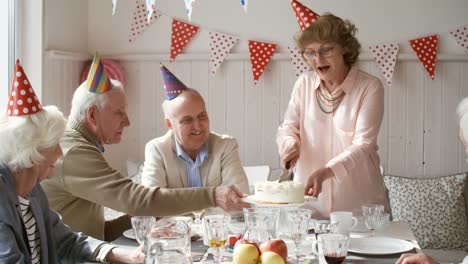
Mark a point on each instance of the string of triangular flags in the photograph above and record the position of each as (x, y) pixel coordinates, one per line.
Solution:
(385, 54)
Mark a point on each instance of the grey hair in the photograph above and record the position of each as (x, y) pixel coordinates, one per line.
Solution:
(462, 112)
(166, 104)
(83, 99)
(23, 136)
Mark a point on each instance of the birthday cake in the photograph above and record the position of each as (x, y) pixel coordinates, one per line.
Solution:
(274, 192)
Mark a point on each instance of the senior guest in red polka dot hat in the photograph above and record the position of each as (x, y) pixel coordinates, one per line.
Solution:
(330, 127)
(190, 154)
(30, 232)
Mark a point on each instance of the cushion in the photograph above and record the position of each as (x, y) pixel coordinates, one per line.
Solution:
(433, 207)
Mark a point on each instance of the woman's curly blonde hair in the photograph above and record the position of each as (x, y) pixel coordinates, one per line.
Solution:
(329, 28)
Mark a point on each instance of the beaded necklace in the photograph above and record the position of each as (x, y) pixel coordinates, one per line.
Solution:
(326, 101)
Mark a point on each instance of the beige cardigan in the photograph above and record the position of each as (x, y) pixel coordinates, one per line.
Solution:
(83, 183)
(222, 167)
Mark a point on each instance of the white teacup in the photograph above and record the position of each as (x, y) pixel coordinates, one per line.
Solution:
(345, 221)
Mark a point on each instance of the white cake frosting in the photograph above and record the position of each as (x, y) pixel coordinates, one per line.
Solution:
(279, 192)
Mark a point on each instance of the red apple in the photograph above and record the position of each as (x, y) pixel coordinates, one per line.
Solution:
(275, 245)
(245, 241)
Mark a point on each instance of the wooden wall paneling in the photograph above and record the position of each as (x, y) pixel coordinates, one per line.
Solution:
(382, 140)
(397, 123)
(450, 99)
(200, 79)
(415, 118)
(271, 114)
(217, 101)
(287, 80)
(235, 108)
(433, 123)
(252, 118)
(463, 86)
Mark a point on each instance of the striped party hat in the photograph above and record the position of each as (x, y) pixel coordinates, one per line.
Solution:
(172, 86)
(23, 100)
(98, 81)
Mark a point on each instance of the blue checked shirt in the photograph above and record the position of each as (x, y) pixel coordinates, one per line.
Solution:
(192, 167)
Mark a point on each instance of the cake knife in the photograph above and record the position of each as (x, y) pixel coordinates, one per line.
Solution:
(290, 175)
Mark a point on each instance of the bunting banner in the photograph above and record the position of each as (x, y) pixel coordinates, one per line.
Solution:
(182, 33)
(461, 36)
(220, 45)
(297, 62)
(385, 55)
(150, 7)
(139, 22)
(114, 5)
(305, 16)
(426, 50)
(260, 55)
(244, 4)
(188, 8)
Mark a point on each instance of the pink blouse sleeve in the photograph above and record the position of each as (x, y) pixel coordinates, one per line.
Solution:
(365, 137)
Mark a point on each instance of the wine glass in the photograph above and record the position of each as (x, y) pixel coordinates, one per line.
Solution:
(298, 228)
(216, 227)
(373, 216)
(198, 214)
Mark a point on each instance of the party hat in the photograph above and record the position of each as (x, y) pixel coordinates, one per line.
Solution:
(305, 16)
(172, 86)
(23, 99)
(98, 81)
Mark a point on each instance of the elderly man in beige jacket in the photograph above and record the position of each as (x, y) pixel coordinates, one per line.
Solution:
(83, 183)
(189, 154)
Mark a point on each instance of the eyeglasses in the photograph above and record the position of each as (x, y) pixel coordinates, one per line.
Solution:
(323, 52)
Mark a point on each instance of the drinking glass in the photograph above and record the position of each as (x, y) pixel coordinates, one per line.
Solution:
(332, 247)
(373, 216)
(261, 224)
(188, 221)
(298, 228)
(325, 227)
(216, 227)
(141, 226)
(198, 215)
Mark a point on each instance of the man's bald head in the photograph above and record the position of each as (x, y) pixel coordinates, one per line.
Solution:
(188, 94)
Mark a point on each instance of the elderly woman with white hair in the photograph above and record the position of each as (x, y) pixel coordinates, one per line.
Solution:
(30, 232)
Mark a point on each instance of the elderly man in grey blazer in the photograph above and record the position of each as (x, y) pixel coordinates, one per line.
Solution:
(189, 154)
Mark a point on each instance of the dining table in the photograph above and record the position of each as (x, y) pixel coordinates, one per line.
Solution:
(394, 230)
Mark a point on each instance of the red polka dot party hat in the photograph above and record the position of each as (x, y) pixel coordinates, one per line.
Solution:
(23, 100)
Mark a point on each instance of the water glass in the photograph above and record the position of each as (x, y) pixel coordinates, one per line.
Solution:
(261, 223)
(216, 230)
(189, 222)
(141, 226)
(332, 247)
(325, 227)
(373, 216)
(298, 228)
(167, 242)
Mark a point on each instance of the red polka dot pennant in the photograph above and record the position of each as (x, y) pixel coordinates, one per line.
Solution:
(182, 33)
(385, 55)
(260, 55)
(461, 36)
(140, 22)
(426, 50)
(23, 100)
(298, 63)
(305, 16)
(220, 45)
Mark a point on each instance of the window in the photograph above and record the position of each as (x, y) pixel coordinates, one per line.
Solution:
(7, 49)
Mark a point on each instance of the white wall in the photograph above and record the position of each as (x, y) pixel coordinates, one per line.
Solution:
(274, 21)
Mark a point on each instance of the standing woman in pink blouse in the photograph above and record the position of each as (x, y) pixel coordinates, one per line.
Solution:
(331, 125)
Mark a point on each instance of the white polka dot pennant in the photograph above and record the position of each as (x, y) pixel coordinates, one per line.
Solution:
(461, 36)
(385, 55)
(220, 45)
(297, 62)
(22, 100)
(140, 22)
(260, 55)
(426, 50)
(182, 33)
(305, 16)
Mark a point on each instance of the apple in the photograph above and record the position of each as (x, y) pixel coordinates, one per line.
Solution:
(245, 241)
(275, 245)
(245, 254)
(271, 257)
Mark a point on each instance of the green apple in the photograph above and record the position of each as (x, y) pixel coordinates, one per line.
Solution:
(271, 257)
(245, 254)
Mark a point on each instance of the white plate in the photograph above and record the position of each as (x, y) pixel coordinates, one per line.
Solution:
(379, 245)
(251, 199)
(129, 234)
